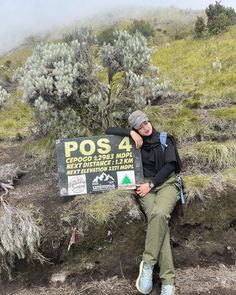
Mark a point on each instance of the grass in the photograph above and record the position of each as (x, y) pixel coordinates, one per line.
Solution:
(16, 59)
(229, 176)
(15, 116)
(188, 64)
(44, 150)
(108, 205)
(214, 155)
(225, 114)
(196, 186)
(178, 120)
(15, 120)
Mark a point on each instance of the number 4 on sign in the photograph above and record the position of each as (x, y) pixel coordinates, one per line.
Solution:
(125, 144)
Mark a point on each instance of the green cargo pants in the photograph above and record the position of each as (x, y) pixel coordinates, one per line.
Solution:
(158, 205)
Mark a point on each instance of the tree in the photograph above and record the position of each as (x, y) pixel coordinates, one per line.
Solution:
(219, 17)
(145, 28)
(106, 36)
(199, 27)
(218, 24)
(66, 87)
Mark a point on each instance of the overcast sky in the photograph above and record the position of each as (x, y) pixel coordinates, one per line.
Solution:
(21, 18)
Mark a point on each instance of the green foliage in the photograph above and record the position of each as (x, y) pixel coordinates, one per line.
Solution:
(142, 26)
(199, 27)
(219, 18)
(106, 36)
(61, 82)
(218, 24)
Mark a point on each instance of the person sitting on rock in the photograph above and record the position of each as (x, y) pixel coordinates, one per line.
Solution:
(158, 196)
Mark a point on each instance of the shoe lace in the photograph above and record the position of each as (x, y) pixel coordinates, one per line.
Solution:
(147, 270)
(167, 290)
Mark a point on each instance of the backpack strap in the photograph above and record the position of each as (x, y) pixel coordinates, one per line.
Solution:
(163, 138)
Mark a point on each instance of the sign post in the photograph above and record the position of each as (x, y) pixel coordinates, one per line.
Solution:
(97, 163)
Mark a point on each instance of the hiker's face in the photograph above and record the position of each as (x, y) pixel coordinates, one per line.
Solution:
(145, 129)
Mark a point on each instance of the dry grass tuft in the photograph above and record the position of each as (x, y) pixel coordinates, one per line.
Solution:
(213, 155)
(106, 206)
(112, 285)
(196, 187)
(19, 237)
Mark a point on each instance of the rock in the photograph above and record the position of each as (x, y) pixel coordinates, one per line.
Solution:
(59, 278)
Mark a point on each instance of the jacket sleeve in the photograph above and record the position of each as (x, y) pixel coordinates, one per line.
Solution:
(169, 164)
(118, 131)
(163, 174)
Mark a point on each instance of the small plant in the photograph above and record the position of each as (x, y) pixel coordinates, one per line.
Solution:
(19, 237)
(217, 65)
(4, 95)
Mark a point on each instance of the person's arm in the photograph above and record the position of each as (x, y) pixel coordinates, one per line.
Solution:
(118, 131)
(163, 174)
(126, 132)
(160, 177)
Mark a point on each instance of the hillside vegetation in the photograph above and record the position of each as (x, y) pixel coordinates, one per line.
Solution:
(204, 108)
(189, 66)
(198, 108)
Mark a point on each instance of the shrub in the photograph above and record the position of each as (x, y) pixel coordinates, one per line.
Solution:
(145, 28)
(199, 27)
(219, 18)
(19, 237)
(106, 36)
(61, 83)
(218, 24)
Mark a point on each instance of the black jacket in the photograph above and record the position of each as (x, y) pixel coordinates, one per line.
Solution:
(157, 164)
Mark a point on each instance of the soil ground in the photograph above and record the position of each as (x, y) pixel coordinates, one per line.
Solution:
(38, 189)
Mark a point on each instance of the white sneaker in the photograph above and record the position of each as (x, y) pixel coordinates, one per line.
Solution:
(144, 280)
(167, 290)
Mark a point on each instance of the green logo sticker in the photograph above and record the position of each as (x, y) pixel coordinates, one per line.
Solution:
(126, 180)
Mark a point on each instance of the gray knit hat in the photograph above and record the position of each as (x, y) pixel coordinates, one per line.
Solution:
(137, 118)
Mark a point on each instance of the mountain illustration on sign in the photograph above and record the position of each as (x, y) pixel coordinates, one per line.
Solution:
(103, 178)
(126, 180)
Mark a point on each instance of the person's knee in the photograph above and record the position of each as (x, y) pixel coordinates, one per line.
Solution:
(158, 215)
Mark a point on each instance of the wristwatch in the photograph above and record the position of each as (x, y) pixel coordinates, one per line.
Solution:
(151, 184)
